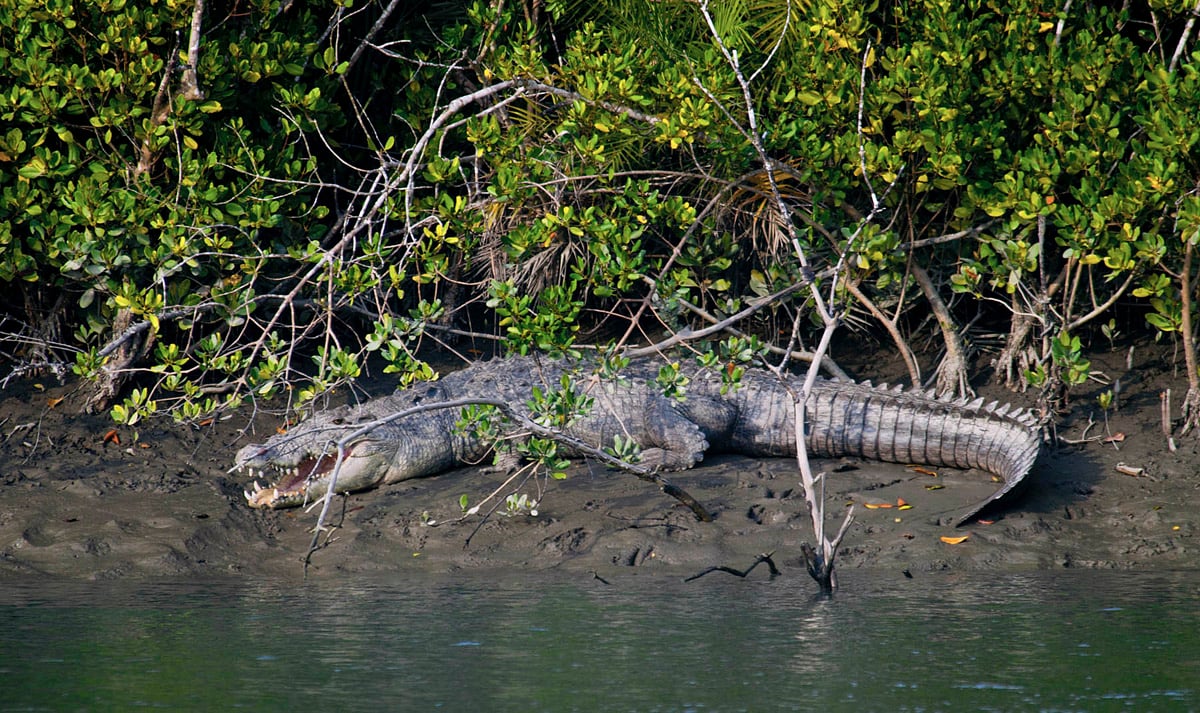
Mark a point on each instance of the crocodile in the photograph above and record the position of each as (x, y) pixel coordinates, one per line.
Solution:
(756, 417)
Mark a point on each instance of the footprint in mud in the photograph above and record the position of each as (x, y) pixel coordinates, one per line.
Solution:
(97, 547)
(636, 557)
(571, 542)
(37, 536)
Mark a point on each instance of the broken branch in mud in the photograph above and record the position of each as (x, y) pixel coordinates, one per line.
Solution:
(761, 559)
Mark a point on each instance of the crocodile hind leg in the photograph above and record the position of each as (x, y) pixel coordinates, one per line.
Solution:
(672, 441)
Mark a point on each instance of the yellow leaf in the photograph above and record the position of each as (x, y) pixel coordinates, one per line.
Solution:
(955, 540)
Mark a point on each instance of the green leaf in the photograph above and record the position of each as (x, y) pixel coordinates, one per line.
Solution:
(809, 98)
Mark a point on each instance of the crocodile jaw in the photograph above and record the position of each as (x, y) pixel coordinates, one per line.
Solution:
(298, 481)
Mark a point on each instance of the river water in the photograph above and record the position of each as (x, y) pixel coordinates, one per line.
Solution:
(1045, 641)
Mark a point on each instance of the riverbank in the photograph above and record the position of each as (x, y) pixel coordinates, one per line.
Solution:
(81, 499)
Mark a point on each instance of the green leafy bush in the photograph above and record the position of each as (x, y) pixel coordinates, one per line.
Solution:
(354, 183)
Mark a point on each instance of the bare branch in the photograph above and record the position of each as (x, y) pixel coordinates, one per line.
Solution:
(1183, 39)
(190, 83)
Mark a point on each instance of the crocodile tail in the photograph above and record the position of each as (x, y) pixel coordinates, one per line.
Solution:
(897, 426)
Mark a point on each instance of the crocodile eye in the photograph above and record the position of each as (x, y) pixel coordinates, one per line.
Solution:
(339, 421)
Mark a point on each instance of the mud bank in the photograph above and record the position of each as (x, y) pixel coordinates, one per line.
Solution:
(76, 502)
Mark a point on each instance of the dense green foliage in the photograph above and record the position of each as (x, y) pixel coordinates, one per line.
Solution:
(358, 178)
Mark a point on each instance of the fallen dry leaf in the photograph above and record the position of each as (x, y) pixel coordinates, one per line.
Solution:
(877, 506)
(955, 540)
(112, 437)
(1133, 470)
(1115, 438)
(205, 422)
(922, 471)
(934, 487)
(54, 401)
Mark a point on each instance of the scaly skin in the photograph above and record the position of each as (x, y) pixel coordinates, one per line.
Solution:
(756, 419)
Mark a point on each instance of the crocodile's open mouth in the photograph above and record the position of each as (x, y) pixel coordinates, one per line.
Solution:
(291, 483)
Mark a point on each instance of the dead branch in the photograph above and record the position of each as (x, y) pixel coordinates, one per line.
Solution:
(761, 559)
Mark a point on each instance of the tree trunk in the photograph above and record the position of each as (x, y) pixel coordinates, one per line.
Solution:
(951, 376)
(1191, 402)
(128, 348)
(1017, 356)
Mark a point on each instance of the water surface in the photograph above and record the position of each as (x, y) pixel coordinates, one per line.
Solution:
(1052, 641)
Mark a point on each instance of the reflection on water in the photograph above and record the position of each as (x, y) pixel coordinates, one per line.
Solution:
(1041, 641)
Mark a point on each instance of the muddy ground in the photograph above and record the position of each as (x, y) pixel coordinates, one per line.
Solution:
(160, 504)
